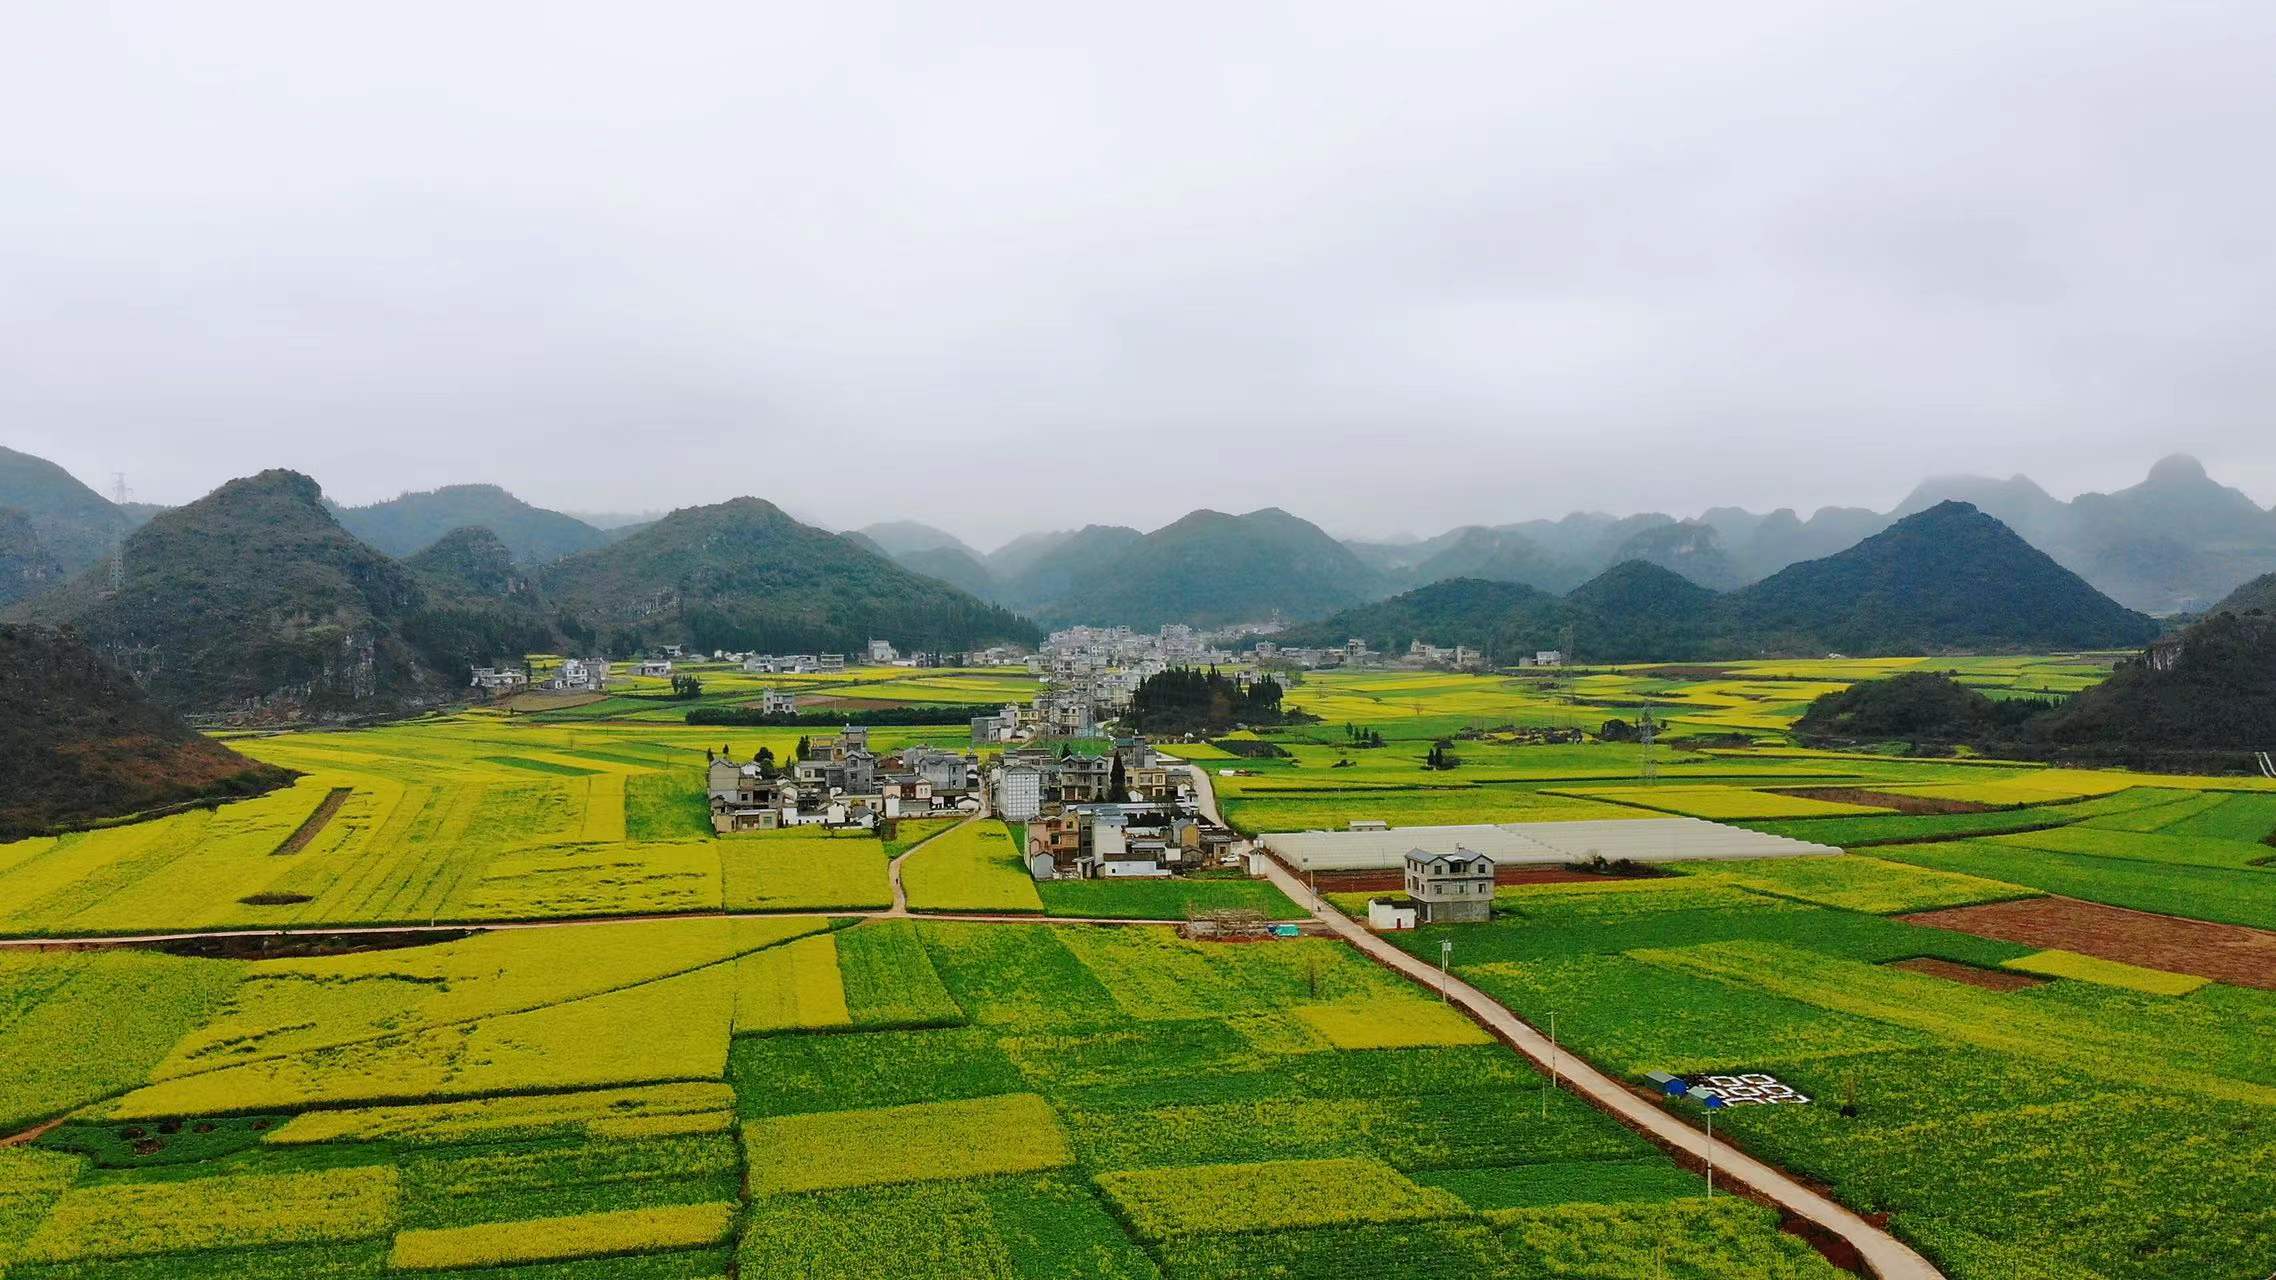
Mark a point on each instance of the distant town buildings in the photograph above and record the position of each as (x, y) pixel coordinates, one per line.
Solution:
(499, 678)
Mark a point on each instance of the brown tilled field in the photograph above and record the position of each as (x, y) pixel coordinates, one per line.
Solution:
(2223, 952)
(1884, 800)
(1988, 979)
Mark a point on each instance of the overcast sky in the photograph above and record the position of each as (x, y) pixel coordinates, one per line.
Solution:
(1006, 266)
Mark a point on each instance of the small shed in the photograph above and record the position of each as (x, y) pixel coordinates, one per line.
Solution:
(1393, 913)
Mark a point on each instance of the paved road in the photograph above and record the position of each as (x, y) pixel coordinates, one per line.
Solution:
(1889, 1257)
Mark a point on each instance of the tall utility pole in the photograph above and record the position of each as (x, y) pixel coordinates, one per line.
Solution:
(1645, 732)
(118, 533)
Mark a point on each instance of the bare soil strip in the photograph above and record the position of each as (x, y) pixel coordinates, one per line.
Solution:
(1885, 800)
(34, 1133)
(314, 822)
(1988, 979)
(2223, 952)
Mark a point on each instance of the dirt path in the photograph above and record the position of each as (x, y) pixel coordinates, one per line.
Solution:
(1886, 1256)
(316, 821)
(893, 868)
(34, 1133)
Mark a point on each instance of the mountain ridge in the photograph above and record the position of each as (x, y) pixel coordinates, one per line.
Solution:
(1942, 580)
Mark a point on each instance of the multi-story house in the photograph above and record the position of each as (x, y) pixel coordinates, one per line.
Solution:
(1451, 888)
(1019, 792)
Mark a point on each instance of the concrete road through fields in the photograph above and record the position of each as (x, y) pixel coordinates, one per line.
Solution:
(1888, 1257)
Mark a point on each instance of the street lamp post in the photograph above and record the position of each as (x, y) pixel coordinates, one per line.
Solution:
(1445, 954)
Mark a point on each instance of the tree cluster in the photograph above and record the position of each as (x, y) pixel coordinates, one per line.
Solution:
(1184, 700)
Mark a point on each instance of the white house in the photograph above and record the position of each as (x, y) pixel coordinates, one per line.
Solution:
(1019, 792)
(581, 674)
(656, 667)
(778, 703)
(1451, 888)
(1391, 913)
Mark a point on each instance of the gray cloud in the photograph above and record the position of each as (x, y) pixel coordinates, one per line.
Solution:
(1017, 265)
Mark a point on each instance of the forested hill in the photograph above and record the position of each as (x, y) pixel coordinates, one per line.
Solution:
(27, 567)
(956, 567)
(1949, 579)
(2260, 594)
(481, 607)
(1456, 611)
(253, 601)
(2211, 689)
(1036, 573)
(60, 522)
(1208, 568)
(403, 525)
(743, 575)
(2204, 700)
(79, 742)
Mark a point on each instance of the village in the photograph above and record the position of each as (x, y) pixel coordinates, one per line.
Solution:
(1088, 802)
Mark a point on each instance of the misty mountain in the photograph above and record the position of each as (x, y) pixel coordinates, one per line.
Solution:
(898, 536)
(2174, 543)
(69, 524)
(1071, 561)
(1015, 558)
(78, 742)
(952, 565)
(1688, 548)
(254, 602)
(403, 525)
(1498, 555)
(743, 575)
(1209, 568)
(1949, 579)
(1761, 545)
(2260, 593)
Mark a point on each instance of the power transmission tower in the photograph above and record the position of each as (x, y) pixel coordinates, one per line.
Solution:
(118, 533)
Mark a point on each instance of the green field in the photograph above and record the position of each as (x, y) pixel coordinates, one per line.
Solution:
(1989, 1124)
(654, 1099)
(786, 1092)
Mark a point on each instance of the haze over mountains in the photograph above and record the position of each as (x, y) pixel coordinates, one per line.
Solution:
(2177, 542)
(265, 599)
(1948, 579)
(255, 603)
